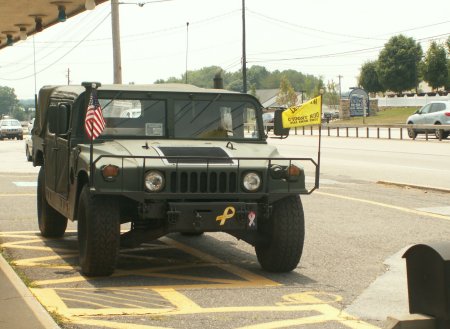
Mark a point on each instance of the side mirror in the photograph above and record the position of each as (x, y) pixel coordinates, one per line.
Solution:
(278, 129)
(58, 118)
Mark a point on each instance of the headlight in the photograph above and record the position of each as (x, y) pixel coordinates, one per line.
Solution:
(251, 181)
(154, 181)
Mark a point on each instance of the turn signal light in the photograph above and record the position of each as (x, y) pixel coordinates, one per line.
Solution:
(110, 172)
(293, 170)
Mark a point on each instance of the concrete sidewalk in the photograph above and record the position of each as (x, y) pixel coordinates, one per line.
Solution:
(19, 309)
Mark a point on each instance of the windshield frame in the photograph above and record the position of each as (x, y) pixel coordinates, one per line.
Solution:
(171, 98)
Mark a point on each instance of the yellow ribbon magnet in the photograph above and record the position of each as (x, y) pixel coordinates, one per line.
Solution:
(227, 214)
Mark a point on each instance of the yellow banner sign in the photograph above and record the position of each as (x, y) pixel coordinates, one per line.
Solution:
(308, 113)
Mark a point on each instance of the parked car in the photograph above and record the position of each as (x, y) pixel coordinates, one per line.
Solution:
(268, 120)
(30, 125)
(10, 128)
(165, 171)
(131, 113)
(29, 142)
(434, 113)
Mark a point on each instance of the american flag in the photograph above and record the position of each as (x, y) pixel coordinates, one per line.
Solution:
(94, 122)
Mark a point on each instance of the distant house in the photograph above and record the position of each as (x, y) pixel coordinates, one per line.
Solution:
(268, 99)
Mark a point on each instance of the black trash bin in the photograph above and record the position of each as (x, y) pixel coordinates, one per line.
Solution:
(428, 272)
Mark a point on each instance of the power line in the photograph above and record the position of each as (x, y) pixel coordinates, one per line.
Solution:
(343, 34)
(337, 54)
(64, 55)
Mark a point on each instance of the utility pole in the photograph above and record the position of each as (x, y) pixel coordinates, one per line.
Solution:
(340, 91)
(302, 92)
(68, 76)
(117, 61)
(244, 57)
(187, 49)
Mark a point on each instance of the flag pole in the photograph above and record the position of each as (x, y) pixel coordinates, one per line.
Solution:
(320, 142)
(89, 87)
(91, 146)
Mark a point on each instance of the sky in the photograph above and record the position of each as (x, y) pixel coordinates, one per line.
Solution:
(324, 38)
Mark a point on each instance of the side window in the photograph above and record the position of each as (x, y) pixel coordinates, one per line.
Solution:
(436, 107)
(425, 109)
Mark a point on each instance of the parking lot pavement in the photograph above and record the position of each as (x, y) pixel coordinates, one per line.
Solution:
(163, 284)
(16, 297)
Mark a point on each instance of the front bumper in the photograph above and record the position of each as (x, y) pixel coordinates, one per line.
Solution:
(213, 216)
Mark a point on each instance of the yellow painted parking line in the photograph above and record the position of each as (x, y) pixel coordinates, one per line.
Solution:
(33, 240)
(17, 233)
(5, 195)
(81, 305)
(386, 205)
(77, 294)
(113, 325)
(40, 261)
(178, 300)
(240, 272)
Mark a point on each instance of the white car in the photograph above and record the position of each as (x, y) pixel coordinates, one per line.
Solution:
(10, 128)
(434, 113)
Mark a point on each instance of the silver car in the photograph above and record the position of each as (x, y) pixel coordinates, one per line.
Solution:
(434, 113)
(10, 128)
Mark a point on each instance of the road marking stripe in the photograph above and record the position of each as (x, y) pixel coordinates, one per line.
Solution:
(240, 272)
(25, 184)
(179, 300)
(5, 195)
(385, 205)
(112, 325)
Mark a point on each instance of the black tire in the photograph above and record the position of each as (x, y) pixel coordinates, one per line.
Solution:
(285, 230)
(440, 133)
(51, 223)
(411, 132)
(98, 234)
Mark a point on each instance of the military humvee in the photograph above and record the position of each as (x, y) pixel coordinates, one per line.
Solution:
(172, 158)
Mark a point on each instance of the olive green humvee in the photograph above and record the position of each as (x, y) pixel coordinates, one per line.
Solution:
(172, 158)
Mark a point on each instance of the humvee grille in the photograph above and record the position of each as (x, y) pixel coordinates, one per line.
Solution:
(203, 182)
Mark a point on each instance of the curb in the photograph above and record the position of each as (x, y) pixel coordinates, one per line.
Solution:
(419, 187)
(38, 310)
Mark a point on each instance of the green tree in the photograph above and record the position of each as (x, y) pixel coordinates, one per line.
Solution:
(331, 97)
(368, 78)
(257, 76)
(398, 64)
(19, 114)
(286, 96)
(435, 70)
(8, 101)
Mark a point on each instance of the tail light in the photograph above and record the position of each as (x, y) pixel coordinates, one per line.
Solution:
(447, 114)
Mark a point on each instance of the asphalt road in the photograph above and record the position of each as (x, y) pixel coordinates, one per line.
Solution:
(416, 162)
(351, 274)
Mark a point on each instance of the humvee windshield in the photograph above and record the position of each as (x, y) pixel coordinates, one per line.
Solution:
(192, 119)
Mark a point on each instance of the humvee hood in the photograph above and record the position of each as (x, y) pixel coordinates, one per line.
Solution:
(220, 149)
